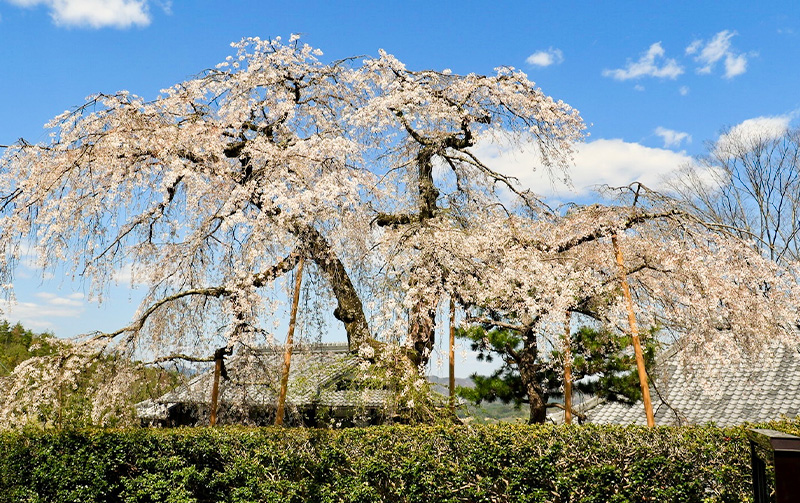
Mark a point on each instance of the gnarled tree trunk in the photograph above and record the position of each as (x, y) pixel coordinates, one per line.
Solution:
(528, 371)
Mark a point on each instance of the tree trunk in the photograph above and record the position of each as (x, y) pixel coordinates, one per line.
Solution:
(529, 373)
(422, 318)
(567, 373)
(422, 332)
(218, 357)
(428, 193)
(538, 413)
(349, 309)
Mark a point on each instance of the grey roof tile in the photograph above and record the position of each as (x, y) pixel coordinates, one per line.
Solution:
(315, 377)
(761, 389)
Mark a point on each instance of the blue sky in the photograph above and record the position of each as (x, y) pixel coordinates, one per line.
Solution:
(653, 80)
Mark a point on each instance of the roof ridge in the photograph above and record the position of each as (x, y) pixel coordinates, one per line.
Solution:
(302, 347)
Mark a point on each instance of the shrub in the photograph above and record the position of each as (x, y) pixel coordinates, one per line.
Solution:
(505, 463)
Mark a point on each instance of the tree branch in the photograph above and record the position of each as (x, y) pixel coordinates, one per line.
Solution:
(495, 323)
(258, 280)
(387, 219)
(179, 356)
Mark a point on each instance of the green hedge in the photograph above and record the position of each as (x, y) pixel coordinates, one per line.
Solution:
(403, 463)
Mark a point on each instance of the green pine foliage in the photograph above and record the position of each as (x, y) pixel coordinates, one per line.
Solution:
(609, 359)
(604, 358)
(504, 384)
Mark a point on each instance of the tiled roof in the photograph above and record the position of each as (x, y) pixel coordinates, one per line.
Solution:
(254, 380)
(762, 389)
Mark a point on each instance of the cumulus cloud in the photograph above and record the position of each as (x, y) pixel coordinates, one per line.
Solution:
(673, 138)
(94, 13)
(749, 132)
(709, 53)
(684, 90)
(546, 58)
(651, 64)
(44, 314)
(601, 162)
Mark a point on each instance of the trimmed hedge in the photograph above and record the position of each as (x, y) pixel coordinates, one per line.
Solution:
(513, 463)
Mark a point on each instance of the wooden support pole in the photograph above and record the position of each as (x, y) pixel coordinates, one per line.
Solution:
(637, 346)
(452, 363)
(567, 372)
(287, 355)
(219, 354)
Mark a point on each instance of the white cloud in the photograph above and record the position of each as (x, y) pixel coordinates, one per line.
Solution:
(94, 13)
(751, 131)
(673, 138)
(708, 54)
(44, 315)
(127, 277)
(55, 300)
(600, 162)
(648, 66)
(165, 5)
(684, 90)
(735, 65)
(546, 58)
(616, 163)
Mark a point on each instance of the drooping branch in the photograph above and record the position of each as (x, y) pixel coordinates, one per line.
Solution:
(137, 324)
(509, 182)
(284, 266)
(258, 280)
(575, 412)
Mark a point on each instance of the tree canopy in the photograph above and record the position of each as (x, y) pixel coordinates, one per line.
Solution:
(216, 187)
(214, 190)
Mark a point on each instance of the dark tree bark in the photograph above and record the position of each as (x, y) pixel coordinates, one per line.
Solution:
(528, 371)
(349, 309)
(422, 332)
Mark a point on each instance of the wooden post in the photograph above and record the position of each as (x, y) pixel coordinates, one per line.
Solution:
(219, 354)
(60, 404)
(287, 355)
(637, 346)
(452, 364)
(782, 451)
(567, 373)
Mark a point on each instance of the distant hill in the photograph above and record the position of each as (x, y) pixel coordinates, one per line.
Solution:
(444, 381)
(485, 413)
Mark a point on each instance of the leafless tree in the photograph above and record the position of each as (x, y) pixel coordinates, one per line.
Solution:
(749, 183)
